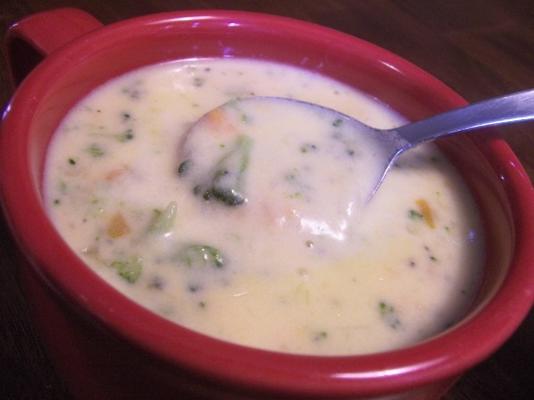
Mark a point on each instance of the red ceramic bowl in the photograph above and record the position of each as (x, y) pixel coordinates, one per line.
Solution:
(109, 347)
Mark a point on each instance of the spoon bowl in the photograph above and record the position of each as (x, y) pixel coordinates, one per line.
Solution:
(314, 173)
(374, 149)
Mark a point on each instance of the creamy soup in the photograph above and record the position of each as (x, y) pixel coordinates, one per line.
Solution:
(250, 225)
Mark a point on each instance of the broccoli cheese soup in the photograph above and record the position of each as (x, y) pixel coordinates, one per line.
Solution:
(249, 226)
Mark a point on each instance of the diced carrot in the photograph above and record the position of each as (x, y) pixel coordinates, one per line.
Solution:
(277, 214)
(115, 173)
(426, 211)
(220, 122)
(216, 117)
(117, 226)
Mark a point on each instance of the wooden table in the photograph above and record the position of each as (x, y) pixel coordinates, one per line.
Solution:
(481, 48)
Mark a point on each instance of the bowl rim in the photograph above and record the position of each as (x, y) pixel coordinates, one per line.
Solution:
(441, 357)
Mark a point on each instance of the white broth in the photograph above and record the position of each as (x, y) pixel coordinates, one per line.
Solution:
(291, 260)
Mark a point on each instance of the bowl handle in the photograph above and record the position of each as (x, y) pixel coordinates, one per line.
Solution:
(30, 40)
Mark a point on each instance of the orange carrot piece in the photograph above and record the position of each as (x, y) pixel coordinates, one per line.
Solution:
(115, 173)
(216, 117)
(117, 226)
(220, 122)
(426, 211)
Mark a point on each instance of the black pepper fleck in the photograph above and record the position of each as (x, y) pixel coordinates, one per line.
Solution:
(156, 283)
(337, 122)
(193, 288)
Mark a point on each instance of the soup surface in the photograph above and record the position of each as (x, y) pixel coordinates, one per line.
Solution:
(257, 235)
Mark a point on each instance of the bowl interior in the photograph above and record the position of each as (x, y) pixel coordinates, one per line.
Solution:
(70, 74)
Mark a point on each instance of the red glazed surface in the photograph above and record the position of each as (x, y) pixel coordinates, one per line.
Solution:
(502, 188)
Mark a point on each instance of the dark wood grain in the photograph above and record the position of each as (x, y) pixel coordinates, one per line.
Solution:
(481, 48)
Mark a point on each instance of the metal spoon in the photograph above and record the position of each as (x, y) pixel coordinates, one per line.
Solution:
(389, 144)
(509, 109)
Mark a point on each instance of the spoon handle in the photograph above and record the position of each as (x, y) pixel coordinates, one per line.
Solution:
(516, 107)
